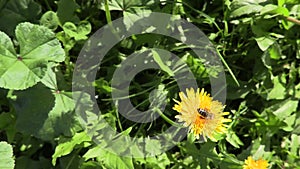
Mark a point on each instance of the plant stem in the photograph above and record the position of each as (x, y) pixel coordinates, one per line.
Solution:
(167, 119)
(107, 12)
(294, 20)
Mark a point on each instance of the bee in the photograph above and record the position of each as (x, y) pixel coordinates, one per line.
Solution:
(205, 114)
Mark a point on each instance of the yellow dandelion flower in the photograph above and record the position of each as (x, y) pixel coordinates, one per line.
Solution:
(202, 114)
(252, 164)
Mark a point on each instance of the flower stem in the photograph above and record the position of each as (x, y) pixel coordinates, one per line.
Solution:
(167, 119)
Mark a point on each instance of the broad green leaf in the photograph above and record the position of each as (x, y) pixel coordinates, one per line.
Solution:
(5, 120)
(284, 109)
(50, 20)
(289, 121)
(244, 7)
(256, 150)
(244, 10)
(93, 153)
(66, 11)
(278, 91)
(153, 147)
(32, 107)
(275, 51)
(16, 11)
(125, 5)
(38, 47)
(6, 156)
(66, 146)
(38, 42)
(112, 160)
(46, 113)
(274, 9)
(61, 119)
(261, 152)
(159, 161)
(265, 42)
(130, 17)
(49, 79)
(262, 28)
(268, 9)
(295, 10)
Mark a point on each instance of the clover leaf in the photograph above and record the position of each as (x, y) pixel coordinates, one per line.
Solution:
(38, 47)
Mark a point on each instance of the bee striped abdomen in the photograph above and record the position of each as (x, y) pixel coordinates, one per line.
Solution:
(202, 112)
(205, 114)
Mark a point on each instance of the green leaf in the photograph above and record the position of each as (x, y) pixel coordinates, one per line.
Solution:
(16, 11)
(233, 139)
(275, 51)
(245, 7)
(67, 41)
(125, 5)
(32, 107)
(38, 42)
(6, 156)
(50, 20)
(130, 17)
(5, 120)
(62, 119)
(78, 33)
(8, 124)
(278, 91)
(261, 152)
(161, 62)
(274, 9)
(265, 42)
(102, 85)
(268, 9)
(245, 10)
(284, 109)
(49, 79)
(66, 146)
(160, 161)
(112, 160)
(289, 121)
(66, 11)
(38, 47)
(46, 114)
